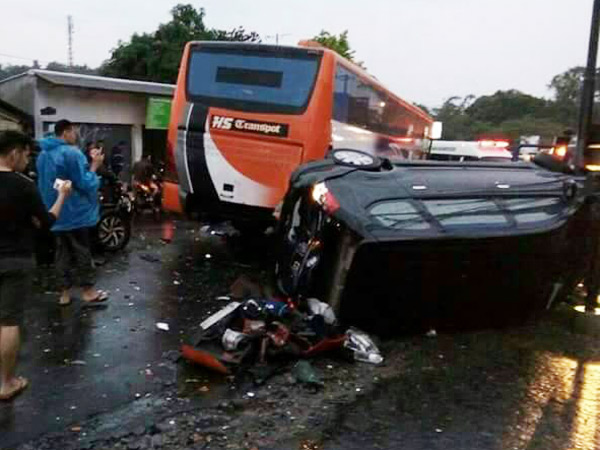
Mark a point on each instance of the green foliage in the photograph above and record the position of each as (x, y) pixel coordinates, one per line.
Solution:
(59, 67)
(506, 114)
(156, 56)
(510, 114)
(423, 107)
(457, 124)
(339, 44)
(506, 105)
(9, 70)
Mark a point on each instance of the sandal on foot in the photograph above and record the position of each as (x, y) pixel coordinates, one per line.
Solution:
(102, 297)
(21, 384)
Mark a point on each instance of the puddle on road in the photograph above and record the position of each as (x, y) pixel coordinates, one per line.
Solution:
(564, 390)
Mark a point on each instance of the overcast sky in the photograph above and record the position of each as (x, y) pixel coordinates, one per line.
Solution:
(423, 50)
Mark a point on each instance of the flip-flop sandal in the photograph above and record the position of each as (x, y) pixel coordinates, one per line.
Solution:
(102, 297)
(22, 384)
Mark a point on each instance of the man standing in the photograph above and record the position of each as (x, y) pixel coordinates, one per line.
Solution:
(60, 159)
(21, 210)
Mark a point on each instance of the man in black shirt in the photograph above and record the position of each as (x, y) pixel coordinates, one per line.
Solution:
(21, 211)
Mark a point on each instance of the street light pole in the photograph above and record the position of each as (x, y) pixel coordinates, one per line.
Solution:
(587, 94)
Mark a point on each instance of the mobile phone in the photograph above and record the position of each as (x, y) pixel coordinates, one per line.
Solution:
(58, 183)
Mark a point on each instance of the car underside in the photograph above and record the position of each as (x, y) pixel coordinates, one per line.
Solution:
(435, 245)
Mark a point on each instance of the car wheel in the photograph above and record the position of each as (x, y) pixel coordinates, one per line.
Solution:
(113, 232)
(356, 158)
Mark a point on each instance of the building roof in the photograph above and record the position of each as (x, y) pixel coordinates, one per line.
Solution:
(101, 83)
(15, 112)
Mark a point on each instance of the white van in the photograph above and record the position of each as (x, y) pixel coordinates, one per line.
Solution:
(485, 150)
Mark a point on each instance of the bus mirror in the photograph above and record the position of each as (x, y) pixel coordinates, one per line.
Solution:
(436, 130)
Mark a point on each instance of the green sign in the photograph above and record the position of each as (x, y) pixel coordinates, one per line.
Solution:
(158, 112)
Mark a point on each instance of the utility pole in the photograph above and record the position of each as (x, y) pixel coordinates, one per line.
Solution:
(70, 31)
(587, 94)
(277, 36)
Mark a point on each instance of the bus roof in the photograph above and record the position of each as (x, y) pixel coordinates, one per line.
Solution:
(366, 75)
(316, 47)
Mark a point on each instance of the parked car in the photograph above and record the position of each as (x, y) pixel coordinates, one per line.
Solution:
(433, 244)
(483, 150)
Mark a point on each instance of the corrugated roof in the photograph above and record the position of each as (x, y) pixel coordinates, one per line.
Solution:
(104, 83)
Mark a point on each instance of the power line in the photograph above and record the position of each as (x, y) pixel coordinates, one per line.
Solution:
(26, 59)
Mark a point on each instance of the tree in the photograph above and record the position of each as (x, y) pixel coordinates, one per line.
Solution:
(156, 56)
(567, 85)
(339, 44)
(10, 70)
(457, 124)
(566, 88)
(423, 107)
(506, 105)
(59, 67)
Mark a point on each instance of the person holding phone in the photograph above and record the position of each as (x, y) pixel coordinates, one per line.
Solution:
(60, 159)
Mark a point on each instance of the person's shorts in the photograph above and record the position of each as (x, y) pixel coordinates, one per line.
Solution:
(15, 286)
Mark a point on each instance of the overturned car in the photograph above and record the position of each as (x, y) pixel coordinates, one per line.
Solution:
(393, 246)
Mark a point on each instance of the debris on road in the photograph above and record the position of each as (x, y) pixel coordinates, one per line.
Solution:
(362, 347)
(305, 373)
(259, 337)
(162, 326)
(150, 258)
(244, 287)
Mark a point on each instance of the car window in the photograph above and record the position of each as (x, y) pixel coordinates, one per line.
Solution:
(466, 212)
(398, 215)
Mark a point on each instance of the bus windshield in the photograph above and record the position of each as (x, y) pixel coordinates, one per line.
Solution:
(252, 80)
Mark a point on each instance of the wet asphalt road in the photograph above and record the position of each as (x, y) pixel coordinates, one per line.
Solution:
(531, 387)
(535, 386)
(82, 361)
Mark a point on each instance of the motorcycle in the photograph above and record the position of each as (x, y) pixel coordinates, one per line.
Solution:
(148, 196)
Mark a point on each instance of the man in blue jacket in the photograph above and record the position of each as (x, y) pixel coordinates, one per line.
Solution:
(61, 160)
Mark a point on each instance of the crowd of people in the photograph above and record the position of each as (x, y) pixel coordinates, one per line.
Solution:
(64, 201)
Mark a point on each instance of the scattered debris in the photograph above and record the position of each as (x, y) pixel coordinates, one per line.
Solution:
(162, 326)
(304, 372)
(431, 333)
(244, 287)
(362, 346)
(150, 258)
(259, 337)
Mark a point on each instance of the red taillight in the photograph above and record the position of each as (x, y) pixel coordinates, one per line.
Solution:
(325, 198)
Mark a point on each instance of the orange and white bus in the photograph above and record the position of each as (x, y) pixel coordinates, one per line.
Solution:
(244, 116)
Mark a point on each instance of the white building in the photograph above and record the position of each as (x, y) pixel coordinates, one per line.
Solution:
(111, 110)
